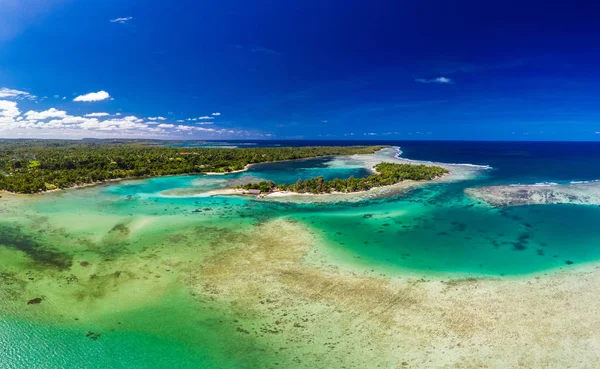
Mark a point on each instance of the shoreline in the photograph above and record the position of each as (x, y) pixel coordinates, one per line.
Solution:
(108, 181)
(79, 186)
(397, 187)
(246, 167)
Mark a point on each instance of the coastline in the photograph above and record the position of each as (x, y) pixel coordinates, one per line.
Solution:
(246, 167)
(99, 183)
(368, 161)
(85, 185)
(457, 172)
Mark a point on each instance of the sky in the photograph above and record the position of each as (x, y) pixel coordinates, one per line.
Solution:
(300, 69)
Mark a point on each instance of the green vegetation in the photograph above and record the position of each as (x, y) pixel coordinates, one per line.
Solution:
(29, 166)
(387, 174)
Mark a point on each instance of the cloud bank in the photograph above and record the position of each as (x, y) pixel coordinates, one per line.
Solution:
(10, 93)
(58, 123)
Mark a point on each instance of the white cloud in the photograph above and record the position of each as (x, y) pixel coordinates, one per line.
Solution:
(204, 123)
(202, 129)
(10, 93)
(216, 114)
(41, 115)
(166, 125)
(442, 80)
(121, 20)
(204, 117)
(97, 115)
(93, 96)
(8, 112)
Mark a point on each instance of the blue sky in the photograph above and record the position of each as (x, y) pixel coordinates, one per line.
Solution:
(234, 69)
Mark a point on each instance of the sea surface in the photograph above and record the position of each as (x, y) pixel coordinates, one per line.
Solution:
(123, 269)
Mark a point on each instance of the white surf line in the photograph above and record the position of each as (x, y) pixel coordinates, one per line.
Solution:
(399, 153)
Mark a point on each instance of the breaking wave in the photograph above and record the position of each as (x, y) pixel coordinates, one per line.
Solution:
(399, 156)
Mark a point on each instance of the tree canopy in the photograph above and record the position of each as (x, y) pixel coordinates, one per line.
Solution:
(387, 174)
(30, 166)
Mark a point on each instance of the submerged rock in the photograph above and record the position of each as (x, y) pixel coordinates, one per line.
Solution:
(92, 335)
(583, 193)
(40, 254)
(35, 301)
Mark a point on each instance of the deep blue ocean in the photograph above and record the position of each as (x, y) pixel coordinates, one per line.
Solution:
(512, 162)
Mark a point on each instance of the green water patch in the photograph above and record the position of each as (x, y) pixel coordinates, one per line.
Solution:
(40, 255)
(423, 234)
(432, 229)
(174, 332)
(121, 301)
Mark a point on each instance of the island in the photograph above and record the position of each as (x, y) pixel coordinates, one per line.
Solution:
(32, 166)
(386, 174)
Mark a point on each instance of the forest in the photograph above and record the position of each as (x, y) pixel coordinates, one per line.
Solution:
(386, 174)
(30, 166)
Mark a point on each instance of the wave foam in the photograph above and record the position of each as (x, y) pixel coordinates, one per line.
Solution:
(584, 182)
(539, 184)
(399, 153)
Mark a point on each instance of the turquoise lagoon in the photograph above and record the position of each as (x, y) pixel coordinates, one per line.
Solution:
(119, 266)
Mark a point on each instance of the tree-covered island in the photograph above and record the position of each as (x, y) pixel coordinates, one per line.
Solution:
(386, 174)
(30, 166)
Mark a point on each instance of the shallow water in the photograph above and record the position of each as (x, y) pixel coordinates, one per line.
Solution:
(142, 269)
